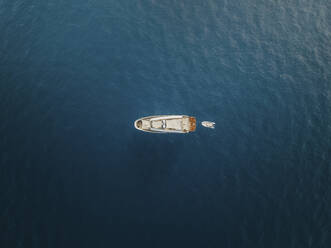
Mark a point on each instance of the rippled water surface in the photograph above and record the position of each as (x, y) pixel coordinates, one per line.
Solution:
(75, 74)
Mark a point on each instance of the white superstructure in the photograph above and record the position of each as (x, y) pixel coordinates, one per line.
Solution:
(166, 124)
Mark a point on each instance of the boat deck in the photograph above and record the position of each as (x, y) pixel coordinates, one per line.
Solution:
(166, 124)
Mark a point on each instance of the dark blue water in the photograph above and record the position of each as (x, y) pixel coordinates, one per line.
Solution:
(75, 74)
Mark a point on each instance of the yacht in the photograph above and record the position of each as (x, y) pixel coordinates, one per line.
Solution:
(166, 124)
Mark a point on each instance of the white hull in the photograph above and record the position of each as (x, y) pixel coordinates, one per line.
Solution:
(166, 124)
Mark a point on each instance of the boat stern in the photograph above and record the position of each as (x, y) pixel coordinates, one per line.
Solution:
(192, 124)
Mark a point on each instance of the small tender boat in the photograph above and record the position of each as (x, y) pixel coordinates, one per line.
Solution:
(166, 124)
(208, 124)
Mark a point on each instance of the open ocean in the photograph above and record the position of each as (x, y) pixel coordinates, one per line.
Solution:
(76, 74)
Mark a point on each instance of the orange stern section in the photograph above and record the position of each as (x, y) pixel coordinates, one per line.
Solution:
(193, 124)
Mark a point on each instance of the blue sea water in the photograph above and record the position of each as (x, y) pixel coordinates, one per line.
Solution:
(75, 74)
